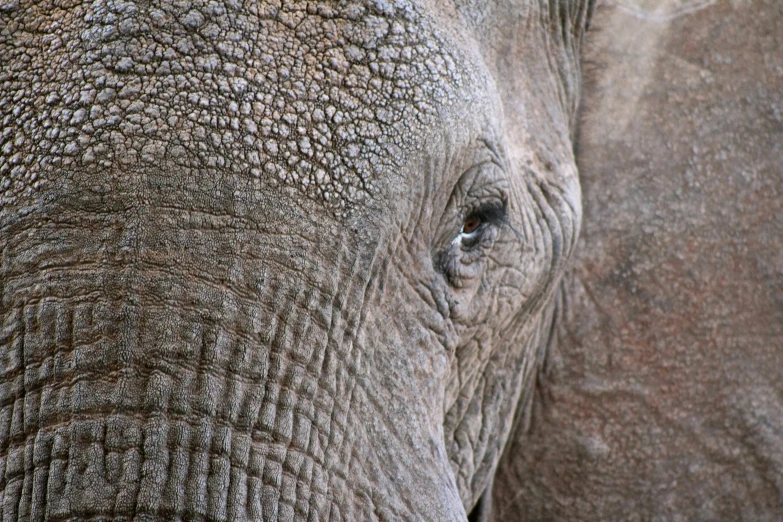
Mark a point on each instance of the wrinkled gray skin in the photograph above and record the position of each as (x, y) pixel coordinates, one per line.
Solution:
(234, 281)
(663, 395)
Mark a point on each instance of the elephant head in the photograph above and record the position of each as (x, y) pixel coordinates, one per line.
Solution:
(277, 261)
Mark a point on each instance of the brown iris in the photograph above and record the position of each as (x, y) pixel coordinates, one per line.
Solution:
(471, 224)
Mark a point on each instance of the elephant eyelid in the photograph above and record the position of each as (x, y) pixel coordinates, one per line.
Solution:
(490, 214)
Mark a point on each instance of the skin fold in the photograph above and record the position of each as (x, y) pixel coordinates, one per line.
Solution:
(240, 272)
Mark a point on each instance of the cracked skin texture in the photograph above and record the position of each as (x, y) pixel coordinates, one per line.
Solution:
(314, 96)
(233, 281)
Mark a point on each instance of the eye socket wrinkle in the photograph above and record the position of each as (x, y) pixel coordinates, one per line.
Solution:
(468, 247)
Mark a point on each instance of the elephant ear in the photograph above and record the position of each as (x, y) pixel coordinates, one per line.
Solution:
(666, 399)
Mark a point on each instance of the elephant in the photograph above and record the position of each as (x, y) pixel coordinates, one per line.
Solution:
(323, 261)
(277, 260)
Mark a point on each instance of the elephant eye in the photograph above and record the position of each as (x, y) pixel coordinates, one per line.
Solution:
(492, 214)
(471, 224)
(461, 260)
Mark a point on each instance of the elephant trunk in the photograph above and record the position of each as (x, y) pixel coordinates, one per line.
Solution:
(114, 406)
(190, 371)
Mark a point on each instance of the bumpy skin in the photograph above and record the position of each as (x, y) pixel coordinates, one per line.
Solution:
(664, 400)
(233, 281)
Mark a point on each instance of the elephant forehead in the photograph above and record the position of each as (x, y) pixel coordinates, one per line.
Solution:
(320, 97)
